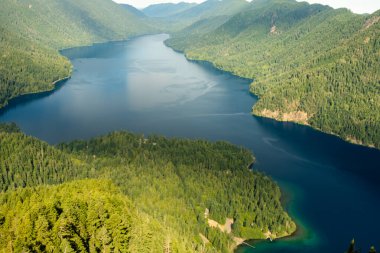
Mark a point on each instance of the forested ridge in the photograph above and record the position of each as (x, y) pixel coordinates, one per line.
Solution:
(126, 192)
(166, 185)
(166, 9)
(78, 216)
(26, 161)
(33, 31)
(27, 67)
(311, 64)
(171, 18)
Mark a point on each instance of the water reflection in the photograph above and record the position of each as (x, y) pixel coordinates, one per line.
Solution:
(143, 86)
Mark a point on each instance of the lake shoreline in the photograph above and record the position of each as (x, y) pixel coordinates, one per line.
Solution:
(59, 83)
(303, 231)
(210, 63)
(121, 86)
(54, 83)
(299, 233)
(34, 95)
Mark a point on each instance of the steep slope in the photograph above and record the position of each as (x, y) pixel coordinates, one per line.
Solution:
(166, 9)
(311, 64)
(68, 23)
(26, 161)
(80, 216)
(133, 10)
(27, 67)
(212, 8)
(203, 26)
(33, 31)
(207, 10)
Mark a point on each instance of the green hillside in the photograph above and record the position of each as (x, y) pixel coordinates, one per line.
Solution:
(312, 64)
(32, 32)
(80, 216)
(26, 161)
(203, 26)
(170, 184)
(173, 18)
(212, 8)
(133, 10)
(166, 9)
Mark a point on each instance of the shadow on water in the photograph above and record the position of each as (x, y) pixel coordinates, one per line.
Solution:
(26, 99)
(98, 50)
(332, 150)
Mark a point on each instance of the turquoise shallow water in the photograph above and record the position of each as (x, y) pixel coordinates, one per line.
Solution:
(142, 86)
(303, 238)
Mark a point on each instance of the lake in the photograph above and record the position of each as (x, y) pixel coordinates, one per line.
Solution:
(331, 187)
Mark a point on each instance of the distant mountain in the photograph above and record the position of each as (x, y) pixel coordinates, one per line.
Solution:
(203, 26)
(166, 9)
(133, 10)
(212, 8)
(312, 64)
(33, 31)
(178, 18)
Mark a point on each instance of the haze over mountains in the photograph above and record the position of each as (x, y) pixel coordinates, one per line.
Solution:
(311, 64)
(326, 86)
(356, 6)
(166, 9)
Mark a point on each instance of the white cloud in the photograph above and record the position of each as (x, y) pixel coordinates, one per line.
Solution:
(357, 6)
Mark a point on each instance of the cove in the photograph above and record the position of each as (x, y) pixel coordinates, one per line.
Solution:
(143, 86)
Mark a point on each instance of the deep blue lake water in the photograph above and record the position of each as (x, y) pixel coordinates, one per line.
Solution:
(142, 86)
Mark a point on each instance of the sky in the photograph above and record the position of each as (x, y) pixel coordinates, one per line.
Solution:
(357, 6)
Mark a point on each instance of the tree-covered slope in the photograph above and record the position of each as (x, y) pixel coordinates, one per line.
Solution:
(27, 67)
(166, 9)
(26, 161)
(175, 181)
(212, 8)
(202, 27)
(69, 23)
(133, 10)
(178, 20)
(80, 216)
(170, 182)
(33, 31)
(311, 64)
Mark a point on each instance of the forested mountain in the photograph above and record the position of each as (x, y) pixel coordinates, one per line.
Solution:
(177, 190)
(212, 8)
(133, 10)
(166, 9)
(26, 161)
(203, 26)
(173, 18)
(33, 31)
(311, 64)
(27, 67)
(80, 216)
